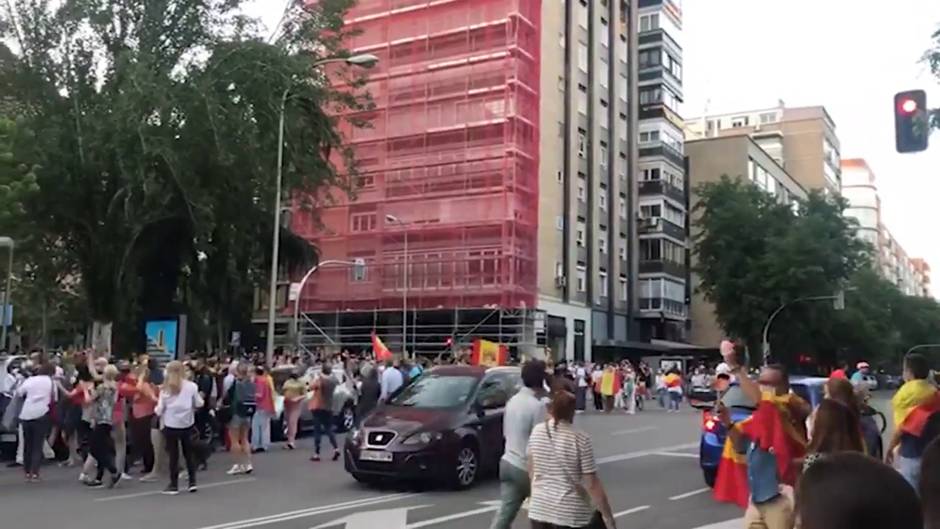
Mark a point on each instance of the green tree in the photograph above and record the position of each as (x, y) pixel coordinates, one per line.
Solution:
(754, 253)
(932, 58)
(156, 137)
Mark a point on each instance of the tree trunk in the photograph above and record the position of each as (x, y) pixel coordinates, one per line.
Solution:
(101, 337)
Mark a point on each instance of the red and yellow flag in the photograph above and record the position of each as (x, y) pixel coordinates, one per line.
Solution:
(917, 418)
(770, 429)
(381, 352)
(487, 353)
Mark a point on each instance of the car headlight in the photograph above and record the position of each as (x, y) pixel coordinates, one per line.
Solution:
(422, 438)
(357, 436)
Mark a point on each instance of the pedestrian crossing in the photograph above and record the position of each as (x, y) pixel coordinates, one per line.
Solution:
(737, 523)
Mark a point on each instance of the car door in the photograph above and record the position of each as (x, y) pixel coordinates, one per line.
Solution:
(492, 397)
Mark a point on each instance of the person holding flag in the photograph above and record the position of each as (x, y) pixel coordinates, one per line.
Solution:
(762, 479)
(913, 405)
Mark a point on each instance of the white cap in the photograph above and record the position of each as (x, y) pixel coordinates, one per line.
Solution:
(723, 369)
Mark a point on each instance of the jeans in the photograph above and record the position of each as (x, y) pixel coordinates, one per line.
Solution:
(34, 435)
(909, 467)
(143, 445)
(261, 430)
(102, 450)
(175, 438)
(675, 398)
(323, 425)
(598, 401)
(514, 488)
(661, 396)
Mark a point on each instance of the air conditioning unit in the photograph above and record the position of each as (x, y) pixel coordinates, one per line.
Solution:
(561, 281)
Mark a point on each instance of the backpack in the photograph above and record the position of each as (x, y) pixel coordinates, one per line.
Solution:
(245, 404)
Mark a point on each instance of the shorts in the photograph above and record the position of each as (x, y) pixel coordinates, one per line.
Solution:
(238, 421)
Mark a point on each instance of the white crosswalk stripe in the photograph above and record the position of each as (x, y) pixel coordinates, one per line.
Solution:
(737, 523)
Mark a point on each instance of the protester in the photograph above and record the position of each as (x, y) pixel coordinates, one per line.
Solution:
(126, 387)
(179, 400)
(321, 406)
(39, 394)
(523, 412)
(610, 387)
(103, 398)
(241, 399)
(564, 483)
(673, 383)
(836, 429)
(840, 390)
(392, 379)
(849, 490)
(597, 378)
(916, 391)
(294, 392)
(143, 406)
(369, 391)
(840, 371)
(580, 376)
(264, 412)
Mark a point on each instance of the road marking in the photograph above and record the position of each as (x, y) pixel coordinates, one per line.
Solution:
(643, 453)
(631, 511)
(737, 523)
(394, 518)
(154, 492)
(676, 454)
(313, 511)
(491, 506)
(635, 430)
(689, 494)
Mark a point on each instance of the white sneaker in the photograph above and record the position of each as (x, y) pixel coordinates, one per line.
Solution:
(247, 469)
(82, 477)
(126, 476)
(149, 478)
(236, 469)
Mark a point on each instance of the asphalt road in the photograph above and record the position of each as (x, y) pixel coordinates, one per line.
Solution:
(648, 464)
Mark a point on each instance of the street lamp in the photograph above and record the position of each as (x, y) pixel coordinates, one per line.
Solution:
(362, 60)
(392, 219)
(839, 304)
(6, 242)
(303, 282)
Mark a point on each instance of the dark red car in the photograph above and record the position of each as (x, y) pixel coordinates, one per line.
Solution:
(445, 426)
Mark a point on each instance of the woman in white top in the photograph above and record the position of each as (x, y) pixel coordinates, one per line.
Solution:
(38, 392)
(177, 406)
(566, 491)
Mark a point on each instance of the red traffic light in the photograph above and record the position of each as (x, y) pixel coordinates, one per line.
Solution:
(909, 106)
(911, 130)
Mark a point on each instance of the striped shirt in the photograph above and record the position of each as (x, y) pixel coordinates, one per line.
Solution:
(561, 456)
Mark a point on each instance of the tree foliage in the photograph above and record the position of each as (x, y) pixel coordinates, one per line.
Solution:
(156, 143)
(755, 253)
(932, 59)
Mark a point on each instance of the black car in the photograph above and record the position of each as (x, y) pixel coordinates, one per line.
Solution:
(446, 426)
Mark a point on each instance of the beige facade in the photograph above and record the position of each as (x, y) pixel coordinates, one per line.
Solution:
(802, 139)
(736, 156)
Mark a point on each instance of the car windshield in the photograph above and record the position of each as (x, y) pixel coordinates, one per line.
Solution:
(436, 391)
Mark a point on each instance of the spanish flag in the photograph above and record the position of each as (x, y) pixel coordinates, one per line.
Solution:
(917, 418)
(379, 349)
(487, 353)
(770, 429)
(610, 383)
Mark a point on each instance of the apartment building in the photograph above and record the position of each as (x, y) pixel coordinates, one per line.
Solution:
(859, 188)
(663, 291)
(741, 157)
(802, 139)
(498, 197)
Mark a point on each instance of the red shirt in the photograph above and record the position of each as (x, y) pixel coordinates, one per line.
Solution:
(264, 393)
(838, 373)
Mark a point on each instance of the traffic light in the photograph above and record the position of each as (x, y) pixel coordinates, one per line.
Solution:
(910, 121)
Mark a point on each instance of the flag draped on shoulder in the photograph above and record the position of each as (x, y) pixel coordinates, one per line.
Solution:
(916, 419)
(771, 429)
(381, 352)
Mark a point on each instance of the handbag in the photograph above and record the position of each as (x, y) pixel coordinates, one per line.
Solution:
(11, 415)
(597, 519)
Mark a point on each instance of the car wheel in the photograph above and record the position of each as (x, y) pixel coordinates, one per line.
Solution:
(710, 474)
(346, 418)
(466, 466)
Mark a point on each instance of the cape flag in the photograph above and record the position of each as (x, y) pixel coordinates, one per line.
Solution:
(487, 353)
(769, 427)
(379, 349)
(917, 418)
(610, 383)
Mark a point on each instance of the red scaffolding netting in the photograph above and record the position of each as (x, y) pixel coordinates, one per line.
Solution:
(449, 166)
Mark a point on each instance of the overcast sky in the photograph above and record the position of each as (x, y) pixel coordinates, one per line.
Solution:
(850, 56)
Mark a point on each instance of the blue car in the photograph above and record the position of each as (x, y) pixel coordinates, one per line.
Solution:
(740, 407)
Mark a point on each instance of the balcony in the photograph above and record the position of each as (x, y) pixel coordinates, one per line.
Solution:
(677, 270)
(659, 187)
(666, 152)
(662, 308)
(661, 226)
(659, 35)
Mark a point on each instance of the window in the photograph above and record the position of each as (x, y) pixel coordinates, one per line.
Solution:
(602, 199)
(362, 222)
(582, 143)
(602, 240)
(560, 223)
(649, 137)
(622, 247)
(768, 117)
(604, 71)
(623, 287)
(582, 57)
(649, 96)
(652, 174)
(649, 58)
(649, 22)
(674, 214)
(582, 187)
(651, 250)
(602, 280)
(622, 207)
(582, 14)
(651, 211)
(740, 121)
(582, 99)
(582, 278)
(559, 269)
(580, 233)
(603, 160)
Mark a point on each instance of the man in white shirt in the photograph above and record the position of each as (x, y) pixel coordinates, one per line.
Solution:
(524, 410)
(391, 380)
(580, 377)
